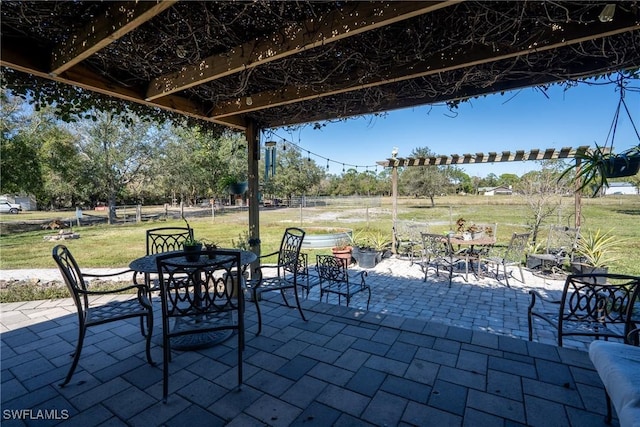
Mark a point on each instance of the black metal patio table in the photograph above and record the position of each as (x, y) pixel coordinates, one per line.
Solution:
(148, 264)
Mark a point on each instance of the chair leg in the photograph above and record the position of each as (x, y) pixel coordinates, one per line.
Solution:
(166, 349)
(295, 292)
(368, 299)
(254, 295)
(76, 356)
(284, 297)
(148, 336)
(506, 275)
(521, 273)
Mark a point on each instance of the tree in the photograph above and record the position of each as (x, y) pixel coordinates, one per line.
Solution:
(20, 168)
(119, 150)
(64, 170)
(295, 175)
(460, 181)
(426, 181)
(491, 180)
(195, 162)
(508, 179)
(542, 193)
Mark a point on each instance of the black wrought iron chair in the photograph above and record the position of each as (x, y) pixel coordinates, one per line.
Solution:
(307, 277)
(588, 308)
(408, 239)
(199, 299)
(282, 276)
(510, 256)
(336, 279)
(92, 311)
(438, 253)
(164, 239)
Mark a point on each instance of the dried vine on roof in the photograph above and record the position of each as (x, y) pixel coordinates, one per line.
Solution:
(189, 32)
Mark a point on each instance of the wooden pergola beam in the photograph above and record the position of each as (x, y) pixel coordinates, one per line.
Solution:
(446, 61)
(491, 157)
(290, 41)
(82, 77)
(118, 20)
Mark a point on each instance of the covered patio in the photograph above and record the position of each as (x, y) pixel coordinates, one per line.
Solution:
(262, 65)
(418, 357)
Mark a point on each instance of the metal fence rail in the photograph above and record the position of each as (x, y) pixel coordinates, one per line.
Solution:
(334, 201)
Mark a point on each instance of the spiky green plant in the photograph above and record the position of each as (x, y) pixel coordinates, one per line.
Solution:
(596, 248)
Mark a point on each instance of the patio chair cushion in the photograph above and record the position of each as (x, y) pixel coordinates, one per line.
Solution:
(618, 366)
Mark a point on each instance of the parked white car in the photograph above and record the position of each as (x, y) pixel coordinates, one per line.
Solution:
(12, 208)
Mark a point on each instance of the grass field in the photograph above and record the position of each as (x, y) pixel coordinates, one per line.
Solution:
(116, 246)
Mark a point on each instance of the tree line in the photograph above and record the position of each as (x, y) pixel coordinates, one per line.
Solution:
(112, 158)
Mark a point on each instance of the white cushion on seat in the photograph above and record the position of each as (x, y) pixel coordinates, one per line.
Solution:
(618, 366)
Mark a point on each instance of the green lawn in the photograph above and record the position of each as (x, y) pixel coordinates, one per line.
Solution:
(115, 246)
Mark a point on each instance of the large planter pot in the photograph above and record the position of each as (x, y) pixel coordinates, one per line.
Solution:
(366, 258)
(533, 262)
(579, 268)
(344, 254)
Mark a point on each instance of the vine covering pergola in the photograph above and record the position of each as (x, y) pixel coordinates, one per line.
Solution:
(265, 64)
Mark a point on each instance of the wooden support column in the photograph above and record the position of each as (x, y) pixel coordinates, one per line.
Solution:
(253, 146)
(394, 201)
(578, 195)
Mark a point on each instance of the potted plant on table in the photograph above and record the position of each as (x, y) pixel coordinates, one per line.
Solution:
(209, 246)
(593, 254)
(191, 247)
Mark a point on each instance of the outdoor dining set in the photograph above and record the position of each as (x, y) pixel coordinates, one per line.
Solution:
(202, 294)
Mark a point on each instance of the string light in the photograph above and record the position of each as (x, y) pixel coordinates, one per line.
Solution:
(286, 142)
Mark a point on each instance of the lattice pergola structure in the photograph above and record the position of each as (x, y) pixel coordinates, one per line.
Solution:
(491, 157)
(265, 64)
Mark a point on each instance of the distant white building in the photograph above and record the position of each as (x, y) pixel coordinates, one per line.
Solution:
(496, 191)
(620, 188)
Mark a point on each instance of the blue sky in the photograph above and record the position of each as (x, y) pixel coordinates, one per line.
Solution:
(523, 119)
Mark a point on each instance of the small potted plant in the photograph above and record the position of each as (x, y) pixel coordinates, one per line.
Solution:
(474, 231)
(593, 254)
(343, 250)
(191, 247)
(209, 246)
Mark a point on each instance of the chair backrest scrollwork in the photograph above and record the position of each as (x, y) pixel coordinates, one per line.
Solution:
(289, 254)
(517, 247)
(164, 239)
(605, 301)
